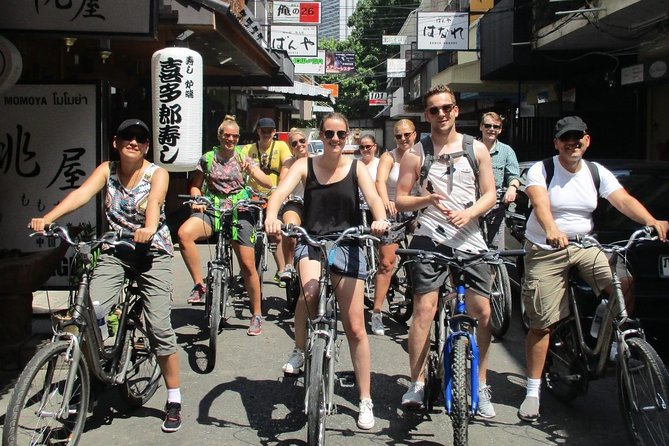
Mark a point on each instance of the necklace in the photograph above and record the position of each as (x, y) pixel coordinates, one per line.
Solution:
(134, 178)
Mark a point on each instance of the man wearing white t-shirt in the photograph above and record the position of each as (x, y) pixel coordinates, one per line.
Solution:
(562, 211)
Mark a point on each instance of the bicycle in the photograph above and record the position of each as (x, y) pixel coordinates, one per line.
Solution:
(322, 349)
(220, 280)
(642, 379)
(371, 251)
(52, 396)
(262, 244)
(452, 363)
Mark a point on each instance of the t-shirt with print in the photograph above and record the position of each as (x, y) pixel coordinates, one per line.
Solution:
(270, 161)
(225, 176)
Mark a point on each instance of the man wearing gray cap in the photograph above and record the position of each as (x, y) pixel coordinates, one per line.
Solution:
(562, 209)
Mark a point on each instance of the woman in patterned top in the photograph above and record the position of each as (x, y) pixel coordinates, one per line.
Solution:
(221, 175)
(134, 201)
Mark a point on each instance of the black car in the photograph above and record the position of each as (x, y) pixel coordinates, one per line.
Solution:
(648, 181)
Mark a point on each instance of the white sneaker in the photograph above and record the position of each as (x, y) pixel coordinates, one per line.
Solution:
(413, 398)
(485, 409)
(294, 363)
(365, 415)
(377, 324)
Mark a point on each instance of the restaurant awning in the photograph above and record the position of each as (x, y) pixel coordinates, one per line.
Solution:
(300, 90)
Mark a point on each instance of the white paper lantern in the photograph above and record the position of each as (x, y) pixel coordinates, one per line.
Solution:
(177, 88)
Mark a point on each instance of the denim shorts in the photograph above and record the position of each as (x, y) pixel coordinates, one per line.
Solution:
(349, 259)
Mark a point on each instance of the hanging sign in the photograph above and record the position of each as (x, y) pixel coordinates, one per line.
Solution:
(296, 40)
(176, 83)
(378, 98)
(296, 12)
(439, 31)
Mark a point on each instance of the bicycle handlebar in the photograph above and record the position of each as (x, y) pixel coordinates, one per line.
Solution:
(122, 237)
(202, 200)
(491, 256)
(355, 232)
(587, 241)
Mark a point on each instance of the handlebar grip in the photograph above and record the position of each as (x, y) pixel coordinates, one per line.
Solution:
(184, 196)
(407, 252)
(125, 234)
(512, 253)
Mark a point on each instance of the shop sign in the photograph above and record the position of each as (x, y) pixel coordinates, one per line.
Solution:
(438, 31)
(296, 12)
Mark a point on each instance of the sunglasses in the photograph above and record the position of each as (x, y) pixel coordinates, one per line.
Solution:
(229, 135)
(141, 138)
(492, 126)
(403, 135)
(366, 146)
(329, 134)
(298, 141)
(446, 108)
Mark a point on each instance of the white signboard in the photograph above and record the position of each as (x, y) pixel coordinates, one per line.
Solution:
(443, 31)
(377, 98)
(49, 144)
(396, 68)
(631, 75)
(310, 65)
(296, 40)
(118, 17)
(394, 40)
(296, 12)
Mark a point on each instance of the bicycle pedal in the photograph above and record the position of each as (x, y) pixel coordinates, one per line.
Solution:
(346, 379)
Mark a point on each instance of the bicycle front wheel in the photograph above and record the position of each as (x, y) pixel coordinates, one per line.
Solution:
(143, 373)
(461, 391)
(316, 409)
(500, 301)
(217, 289)
(644, 402)
(33, 412)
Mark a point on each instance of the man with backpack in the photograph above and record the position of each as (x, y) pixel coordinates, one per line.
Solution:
(564, 191)
(458, 187)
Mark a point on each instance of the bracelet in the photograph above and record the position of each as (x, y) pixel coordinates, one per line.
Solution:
(513, 185)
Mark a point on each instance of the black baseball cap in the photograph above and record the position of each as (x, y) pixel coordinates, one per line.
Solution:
(132, 123)
(266, 123)
(570, 124)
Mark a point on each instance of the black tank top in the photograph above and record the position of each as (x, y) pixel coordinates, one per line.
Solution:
(332, 207)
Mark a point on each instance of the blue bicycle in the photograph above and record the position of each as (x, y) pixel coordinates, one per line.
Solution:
(453, 361)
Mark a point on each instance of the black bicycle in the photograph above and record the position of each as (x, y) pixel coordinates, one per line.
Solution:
(642, 378)
(221, 282)
(52, 396)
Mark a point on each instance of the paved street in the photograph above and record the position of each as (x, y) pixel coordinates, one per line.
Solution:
(246, 399)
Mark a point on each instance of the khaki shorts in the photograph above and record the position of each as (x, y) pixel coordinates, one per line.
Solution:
(546, 279)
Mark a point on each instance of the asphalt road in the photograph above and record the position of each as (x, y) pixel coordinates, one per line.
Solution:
(246, 399)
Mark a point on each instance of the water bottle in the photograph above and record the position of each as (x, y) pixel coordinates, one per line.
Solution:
(597, 319)
(102, 321)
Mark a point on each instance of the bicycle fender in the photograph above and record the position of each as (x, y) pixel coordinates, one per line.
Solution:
(474, 379)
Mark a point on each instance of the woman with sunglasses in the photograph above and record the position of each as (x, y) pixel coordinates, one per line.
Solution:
(386, 183)
(291, 211)
(221, 174)
(368, 154)
(135, 191)
(331, 204)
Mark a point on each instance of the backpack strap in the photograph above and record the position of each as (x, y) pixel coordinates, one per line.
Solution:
(549, 167)
(428, 158)
(468, 148)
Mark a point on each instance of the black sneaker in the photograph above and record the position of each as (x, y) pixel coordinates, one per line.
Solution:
(172, 421)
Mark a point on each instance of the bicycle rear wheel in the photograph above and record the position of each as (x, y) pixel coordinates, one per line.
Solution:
(32, 411)
(461, 391)
(400, 295)
(500, 301)
(644, 405)
(143, 373)
(217, 290)
(292, 293)
(316, 409)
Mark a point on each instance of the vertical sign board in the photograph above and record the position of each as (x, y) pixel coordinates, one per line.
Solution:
(438, 31)
(49, 144)
(396, 67)
(310, 65)
(296, 12)
(296, 40)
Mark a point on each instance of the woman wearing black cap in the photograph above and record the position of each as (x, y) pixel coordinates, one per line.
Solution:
(134, 201)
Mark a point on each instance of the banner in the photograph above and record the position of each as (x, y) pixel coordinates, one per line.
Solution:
(339, 62)
(439, 31)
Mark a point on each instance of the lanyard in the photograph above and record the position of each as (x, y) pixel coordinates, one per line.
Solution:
(267, 167)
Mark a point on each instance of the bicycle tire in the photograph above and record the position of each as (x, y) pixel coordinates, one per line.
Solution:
(433, 385)
(500, 302)
(400, 284)
(46, 371)
(316, 409)
(649, 380)
(292, 294)
(565, 375)
(216, 290)
(461, 392)
(524, 320)
(371, 259)
(143, 375)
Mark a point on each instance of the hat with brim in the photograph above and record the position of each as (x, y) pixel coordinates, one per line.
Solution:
(266, 123)
(132, 123)
(570, 124)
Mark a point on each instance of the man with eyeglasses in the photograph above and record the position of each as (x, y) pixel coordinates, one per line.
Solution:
(506, 172)
(447, 221)
(270, 154)
(562, 210)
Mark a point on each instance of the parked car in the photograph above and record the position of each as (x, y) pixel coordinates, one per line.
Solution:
(648, 181)
(315, 147)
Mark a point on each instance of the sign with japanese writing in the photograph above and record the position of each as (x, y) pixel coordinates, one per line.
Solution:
(248, 21)
(394, 40)
(49, 144)
(339, 62)
(77, 17)
(334, 89)
(296, 40)
(378, 98)
(396, 68)
(310, 65)
(177, 88)
(439, 31)
(296, 12)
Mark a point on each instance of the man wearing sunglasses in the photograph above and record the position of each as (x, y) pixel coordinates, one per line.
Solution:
(506, 172)
(448, 221)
